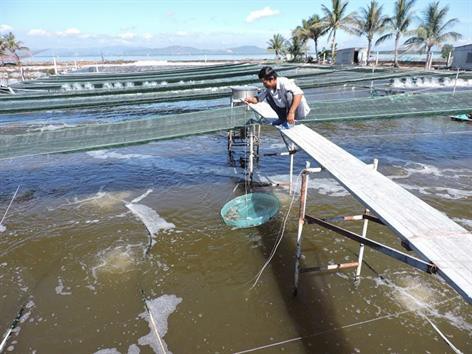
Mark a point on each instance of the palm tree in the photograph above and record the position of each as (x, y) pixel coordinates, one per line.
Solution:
(14, 46)
(313, 28)
(399, 24)
(369, 23)
(432, 30)
(276, 43)
(2, 48)
(296, 47)
(335, 19)
(317, 30)
(302, 33)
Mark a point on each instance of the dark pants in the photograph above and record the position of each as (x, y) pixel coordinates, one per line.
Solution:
(282, 112)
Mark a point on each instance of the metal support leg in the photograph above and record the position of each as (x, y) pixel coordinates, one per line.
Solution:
(251, 154)
(258, 138)
(230, 141)
(290, 187)
(301, 222)
(364, 234)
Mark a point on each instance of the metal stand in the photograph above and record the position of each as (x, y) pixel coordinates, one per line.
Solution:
(364, 233)
(362, 239)
(245, 142)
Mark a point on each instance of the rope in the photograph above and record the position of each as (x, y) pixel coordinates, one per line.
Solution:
(9, 205)
(279, 237)
(153, 323)
(340, 328)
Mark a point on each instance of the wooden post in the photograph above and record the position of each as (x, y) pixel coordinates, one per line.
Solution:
(301, 222)
(292, 155)
(364, 234)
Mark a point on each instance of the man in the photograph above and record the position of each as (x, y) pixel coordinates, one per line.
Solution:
(284, 97)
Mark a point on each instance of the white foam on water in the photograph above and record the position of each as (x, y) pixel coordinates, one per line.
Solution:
(412, 168)
(328, 186)
(415, 295)
(108, 351)
(101, 200)
(150, 218)
(25, 316)
(133, 349)
(3, 228)
(465, 222)
(116, 260)
(324, 186)
(60, 288)
(161, 308)
(452, 193)
(142, 196)
(107, 154)
(442, 192)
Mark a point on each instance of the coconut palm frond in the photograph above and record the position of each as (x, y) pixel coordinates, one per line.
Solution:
(432, 29)
(384, 38)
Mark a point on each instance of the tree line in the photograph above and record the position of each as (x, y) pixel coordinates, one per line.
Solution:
(433, 28)
(10, 46)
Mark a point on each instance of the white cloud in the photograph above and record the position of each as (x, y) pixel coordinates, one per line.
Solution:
(181, 33)
(70, 32)
(258, 14)
(127, 35)
(463, 41)
(5, 28)
(147, 36)
(39, 32)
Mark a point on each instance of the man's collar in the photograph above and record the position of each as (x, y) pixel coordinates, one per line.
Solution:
(278, 84)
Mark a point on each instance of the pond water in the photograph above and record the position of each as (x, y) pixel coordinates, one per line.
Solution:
(77, 252)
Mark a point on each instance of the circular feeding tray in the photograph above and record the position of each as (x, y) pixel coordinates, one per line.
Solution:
(250, 210)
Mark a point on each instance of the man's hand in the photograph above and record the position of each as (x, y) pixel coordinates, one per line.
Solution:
(248, 100)
(291, 117)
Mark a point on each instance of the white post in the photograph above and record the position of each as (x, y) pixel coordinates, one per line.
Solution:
(96, 67)
(291, 154)
(324, 57)
(372, 82)
(377, 59)
(301, 222)
(251, 153)
(455, 82)
(55, 66)
(364, 234)
(75, 64)
(448, 59)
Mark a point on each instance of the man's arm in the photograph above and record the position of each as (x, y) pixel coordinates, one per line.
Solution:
(255, 99)
(252, 99)
(293, 108)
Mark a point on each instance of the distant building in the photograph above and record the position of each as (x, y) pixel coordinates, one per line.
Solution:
(351, 56)
(462, 57)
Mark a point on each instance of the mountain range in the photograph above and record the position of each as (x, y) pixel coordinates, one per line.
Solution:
(143, 51)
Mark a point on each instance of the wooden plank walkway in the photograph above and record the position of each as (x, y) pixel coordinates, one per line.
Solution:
(426, 230)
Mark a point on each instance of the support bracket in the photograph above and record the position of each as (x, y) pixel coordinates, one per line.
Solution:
(389, 251)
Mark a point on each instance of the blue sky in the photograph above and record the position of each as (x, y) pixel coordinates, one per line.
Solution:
(212, 24)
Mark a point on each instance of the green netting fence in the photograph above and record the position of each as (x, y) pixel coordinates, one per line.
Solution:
(207, 89)
(178, 125)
